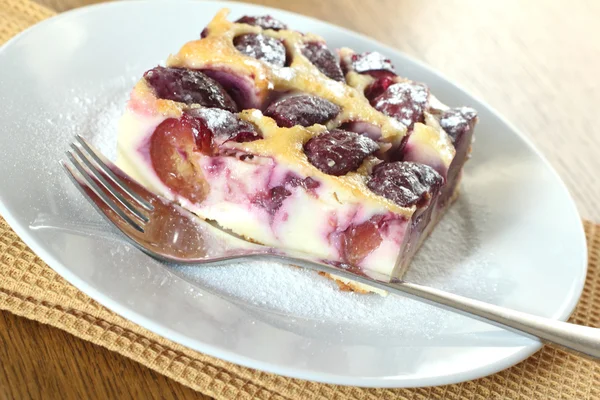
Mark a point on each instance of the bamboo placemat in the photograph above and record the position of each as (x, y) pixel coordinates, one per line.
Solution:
(31, 289)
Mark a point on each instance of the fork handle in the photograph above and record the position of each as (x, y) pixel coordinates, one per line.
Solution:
(582, 339)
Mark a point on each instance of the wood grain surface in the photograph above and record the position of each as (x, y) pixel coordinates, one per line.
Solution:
(535, 61)
(42, 362)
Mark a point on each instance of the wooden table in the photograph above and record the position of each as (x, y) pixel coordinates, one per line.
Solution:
(536, 62)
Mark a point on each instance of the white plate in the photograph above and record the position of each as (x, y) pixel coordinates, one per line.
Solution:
(514, 237)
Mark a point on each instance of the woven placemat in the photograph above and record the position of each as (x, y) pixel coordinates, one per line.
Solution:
(29, 288)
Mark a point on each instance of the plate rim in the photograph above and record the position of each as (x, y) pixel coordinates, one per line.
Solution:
(517, 356)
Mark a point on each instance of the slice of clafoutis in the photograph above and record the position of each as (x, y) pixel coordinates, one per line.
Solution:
(262, 130)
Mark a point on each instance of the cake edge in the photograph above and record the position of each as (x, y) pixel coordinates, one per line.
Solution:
(348, 285)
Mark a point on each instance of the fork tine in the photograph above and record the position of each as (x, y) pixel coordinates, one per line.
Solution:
(94, 193)
(101, 177)
(108, 168)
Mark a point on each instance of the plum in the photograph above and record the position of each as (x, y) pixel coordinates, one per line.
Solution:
(458, 121)
(304, 110)
(261, 47)
(189, 87)
(405, 101)
(264, 21)
(322, 58)
(338, 152)
(405, 183)
(201, 130)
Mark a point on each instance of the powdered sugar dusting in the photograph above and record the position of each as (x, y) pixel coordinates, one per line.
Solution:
(104, 124)
(95, 115)
(450, 259)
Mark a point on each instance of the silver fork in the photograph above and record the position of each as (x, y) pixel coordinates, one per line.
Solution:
(167, 232)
